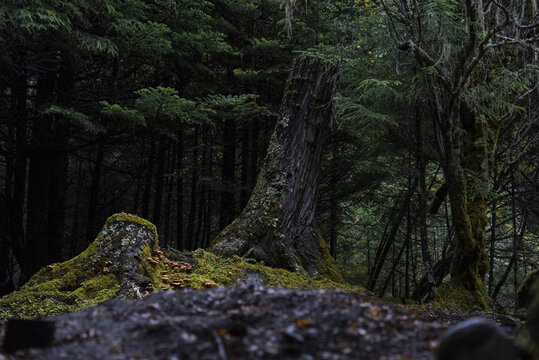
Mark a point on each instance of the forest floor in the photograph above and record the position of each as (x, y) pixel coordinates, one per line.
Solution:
(252, 323)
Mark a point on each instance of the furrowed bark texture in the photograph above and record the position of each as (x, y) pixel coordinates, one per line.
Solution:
(277, 224)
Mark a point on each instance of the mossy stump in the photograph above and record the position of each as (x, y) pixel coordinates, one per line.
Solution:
(112, 266)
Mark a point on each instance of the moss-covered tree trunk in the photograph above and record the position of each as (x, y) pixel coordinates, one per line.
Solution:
(277, 225)
(467, 170)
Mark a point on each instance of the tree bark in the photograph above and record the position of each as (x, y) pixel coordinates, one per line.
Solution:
(148, 183)
(228, 170)
(12, 207)
(389, 237)
(194, 193)
(422, 194)
(246, 162)
(17, 197)
(74, 237)
(39, 180)
(94, 192)
(277, 225)
(333, 204)
(179, 192)
(493, 224)
(467, 170)
(168, 195)
(159, 181)
(60, 164)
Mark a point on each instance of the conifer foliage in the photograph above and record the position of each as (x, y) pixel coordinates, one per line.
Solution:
(425, 176)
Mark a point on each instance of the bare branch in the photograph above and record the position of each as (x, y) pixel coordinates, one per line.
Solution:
(482, 48)
(526, 27)
(391, 16)
(529, 42)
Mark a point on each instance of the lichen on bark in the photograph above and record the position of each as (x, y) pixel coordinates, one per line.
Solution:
(277, 224)
(467, 168)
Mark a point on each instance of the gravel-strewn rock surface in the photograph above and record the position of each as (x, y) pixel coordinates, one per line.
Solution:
(252, 323)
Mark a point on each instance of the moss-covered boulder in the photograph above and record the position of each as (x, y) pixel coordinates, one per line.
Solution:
(525, 293)
(528, 302)
(114, 265)
(533, 316)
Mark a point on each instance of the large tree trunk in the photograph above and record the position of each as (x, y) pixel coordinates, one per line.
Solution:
(246, 163)
(277, 225)
(228, 170)
(422, 199)
(94, 193)
(467, 171)
(190, 243)
(17, 194)
(179, 192)
(159, 181)
(39, 180)
(60, 165)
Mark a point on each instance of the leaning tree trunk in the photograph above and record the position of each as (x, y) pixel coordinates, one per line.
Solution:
(277, 224)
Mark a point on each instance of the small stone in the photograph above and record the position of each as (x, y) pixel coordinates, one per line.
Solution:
(476, 339)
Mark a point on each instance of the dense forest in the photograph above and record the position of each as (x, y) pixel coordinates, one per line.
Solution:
(424, 148)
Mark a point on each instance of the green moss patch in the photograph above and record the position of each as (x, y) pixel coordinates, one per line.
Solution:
(452, 297)
(54, 289)
(328, 266)
(209, 270)
(51, 298)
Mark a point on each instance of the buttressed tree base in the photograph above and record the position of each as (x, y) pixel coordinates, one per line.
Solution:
(277, 225)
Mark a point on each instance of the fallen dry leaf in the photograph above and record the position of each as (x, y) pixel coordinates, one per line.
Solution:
(301, 322)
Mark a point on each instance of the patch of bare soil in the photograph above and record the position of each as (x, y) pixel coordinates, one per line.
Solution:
(252, 323)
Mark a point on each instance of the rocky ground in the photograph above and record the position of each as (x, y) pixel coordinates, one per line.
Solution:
(251, 323)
